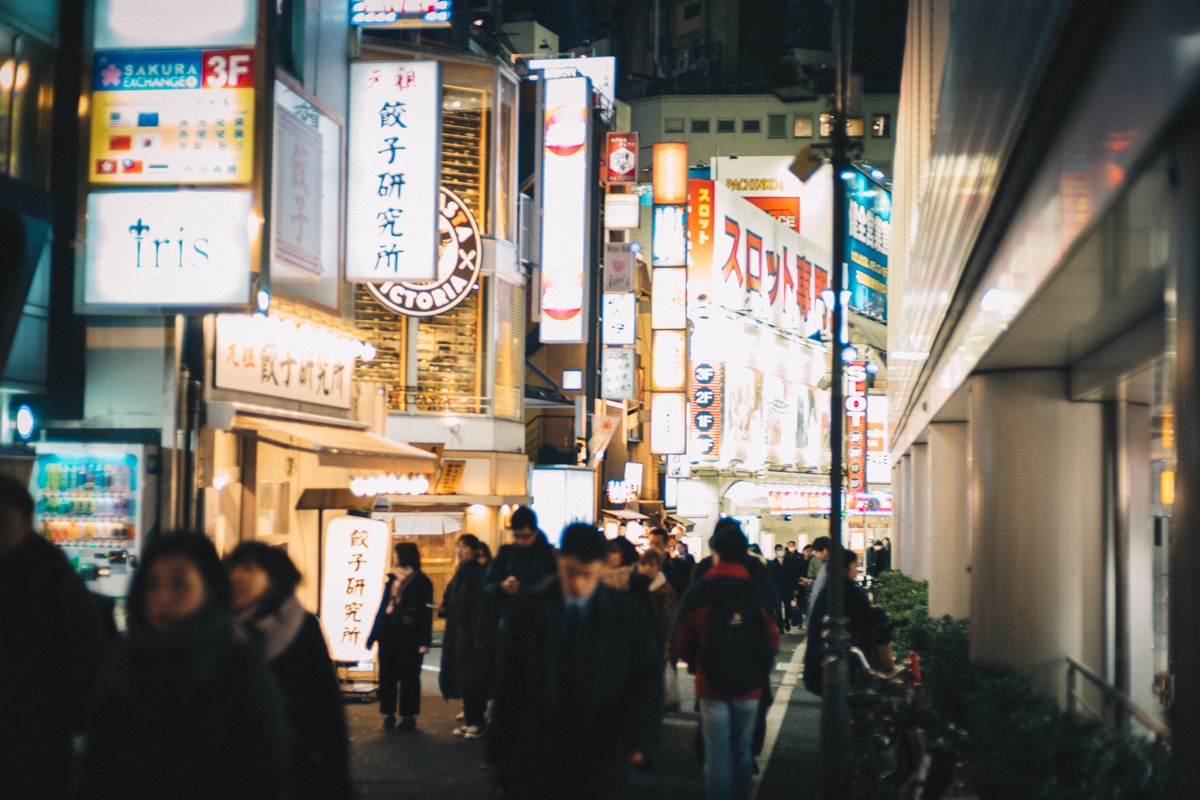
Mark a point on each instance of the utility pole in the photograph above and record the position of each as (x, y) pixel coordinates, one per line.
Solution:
(835, 715)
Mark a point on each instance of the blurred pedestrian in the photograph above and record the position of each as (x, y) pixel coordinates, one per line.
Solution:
(264, 580)
(464, 673)
(663, 603)
(579, 684)
(784, 578)
(816, 574)
(521, 566)
(618, 564)
(726, 633)
(404, 630)
(51, 647)
(186, 708)
(677, 571)
(867, 627)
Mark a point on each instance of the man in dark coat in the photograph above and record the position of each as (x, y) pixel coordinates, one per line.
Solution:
(520, 567)
(463, 673)
(51, 649)
(579, 687)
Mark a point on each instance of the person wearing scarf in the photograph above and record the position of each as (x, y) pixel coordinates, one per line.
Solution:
(404, 629)
(264, 581)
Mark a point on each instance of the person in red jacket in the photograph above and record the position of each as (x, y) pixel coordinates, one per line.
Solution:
(727, 634)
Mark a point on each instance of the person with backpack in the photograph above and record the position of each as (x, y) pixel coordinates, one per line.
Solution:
(727, 634)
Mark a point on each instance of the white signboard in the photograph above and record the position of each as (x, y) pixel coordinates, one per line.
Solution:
(618, 373)
(668, 424)
(620, 266)
(174, 23)
(566, 164)
(670, 361)
(879, 458)
(668, 306)
(394, 163)
(561, 496)
(168, 249)
(602, 72)
(669, 236)
(356, 561)
(618, 318)
(280, 358)
(766, 181)
(622, 211)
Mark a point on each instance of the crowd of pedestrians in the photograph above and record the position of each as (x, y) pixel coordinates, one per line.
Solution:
(564, 660)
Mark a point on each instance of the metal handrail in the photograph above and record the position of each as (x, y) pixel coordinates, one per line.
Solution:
(1112, 697)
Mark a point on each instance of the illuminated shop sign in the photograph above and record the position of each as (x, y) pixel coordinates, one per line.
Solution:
(157, 249)
(618, 318)
(668, 424)
(621, 491)
(620, 265)
(392, 206)
(771, 420)
(622, 211)
(459, 254)
(602, 72)
(705, 422)
(618, 373)
(621, 158)
(566, 163)
(669, 372)
(668, 303)
(670, 174)
(282, 358)
(356, 559)
(856, 425)
(400, 13)
(768, 183)
(174, 23)
(868, 239)
(879, 460)
(389, 484)
(815, 500)
(180, 116)
(669, 236)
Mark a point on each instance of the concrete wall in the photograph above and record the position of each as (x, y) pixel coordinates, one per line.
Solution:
(918, 554)
(949, 523)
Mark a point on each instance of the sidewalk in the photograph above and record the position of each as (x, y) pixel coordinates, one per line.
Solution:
(431, 763)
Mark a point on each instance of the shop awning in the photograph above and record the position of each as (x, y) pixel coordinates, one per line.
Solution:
(422, 524)
(621, 513)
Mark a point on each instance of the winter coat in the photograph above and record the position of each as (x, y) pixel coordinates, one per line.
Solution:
(531, 565)
(664, 603)
(679, 573)
(691, 629)
(410, 625)
(51, 649)
(784, 577)
(298, 657)
(191, 714)
(868, 628)
(549, 742)
(464, 659)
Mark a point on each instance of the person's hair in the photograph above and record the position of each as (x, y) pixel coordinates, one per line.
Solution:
(471, 541)
(728, 541)
(407, 555)
(820, 543)
(197, 549)
(755, 549)
(281, 572)
(485, 552)
(14, 495)
(791, 542)
(650, 557)
(523, 517)
(660, 533)
(848, 558)
(622, 545)
(780, 547)
(807, 547)
(584, 542)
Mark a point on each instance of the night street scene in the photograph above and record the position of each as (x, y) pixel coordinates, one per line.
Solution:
(599, 400)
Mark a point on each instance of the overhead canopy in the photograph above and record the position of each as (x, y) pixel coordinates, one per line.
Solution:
(341, 447)
(621, 513)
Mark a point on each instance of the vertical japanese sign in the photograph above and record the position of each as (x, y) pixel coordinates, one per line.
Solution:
(705, 423)
(868, 239)
(621, 158)
(668, 303)
(618, 371)
(394, 164)
(670, 174)
(356, 560)
(879, 460)
(668, 242)
(856, 426)
(566, 162)
(668, 424)
(297, 198)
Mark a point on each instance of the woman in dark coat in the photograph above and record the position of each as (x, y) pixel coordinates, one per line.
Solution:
(404, 629)
(186, 708)
(465, 651)
(264, 584)
(867, 626)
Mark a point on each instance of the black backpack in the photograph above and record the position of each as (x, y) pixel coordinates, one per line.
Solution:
(737, 646)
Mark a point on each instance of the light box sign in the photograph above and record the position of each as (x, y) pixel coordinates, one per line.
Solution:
(618, 318)
(621, 158)
(705, 422)
(132, 24)
(620, 267)
(622, 211)
(602, 72)
(879, 459)
(669, 236)
(281, 358)
(868, 239)
(670, 361)
(167, 249)
(566, 163)
(618, 373)
(856, 425)
(400, 13)
(668, 304)
(394, 162)
(668, 424)
(670, 173)
(767, 182)
(561, 496)
(356, 559)
(179, 116)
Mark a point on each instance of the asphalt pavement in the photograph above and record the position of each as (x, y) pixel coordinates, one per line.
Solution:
(430, 762)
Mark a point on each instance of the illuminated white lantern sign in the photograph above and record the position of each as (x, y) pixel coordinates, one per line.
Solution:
(394, 163)
(149, 250)
(618, 373)
(668, 424)
(356, 561)
(668, 304)
(618, 318)
(669, 242)
(174, 23)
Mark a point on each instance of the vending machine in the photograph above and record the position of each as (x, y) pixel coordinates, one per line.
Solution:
(97, 502)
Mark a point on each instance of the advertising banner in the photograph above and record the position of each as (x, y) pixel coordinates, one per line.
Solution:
(856, 426)
(868, 238)
(566, 163)
(400, 13)
(705, 423)
(179, 116)
(355, 562)
(394, 166)
(602, 72)
(879, 458)
(158, 249)
(621, 158)
(766, 181)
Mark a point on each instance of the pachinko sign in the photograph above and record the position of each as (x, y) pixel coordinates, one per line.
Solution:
(740, 258)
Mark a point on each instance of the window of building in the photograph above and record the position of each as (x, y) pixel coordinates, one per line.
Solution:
(699, 126)
(727, 126)
(802, 127)
(881, 126)
(826, 126)
(691, 11)
(776, 126)
(752, 126)
(854, 127)
(673, 125)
